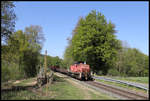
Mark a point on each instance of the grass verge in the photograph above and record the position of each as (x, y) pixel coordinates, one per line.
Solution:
(122, 85)
(143, 80)
(60, 89)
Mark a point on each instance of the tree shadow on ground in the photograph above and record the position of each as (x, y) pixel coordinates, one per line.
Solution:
(35, 86)
(17, 88)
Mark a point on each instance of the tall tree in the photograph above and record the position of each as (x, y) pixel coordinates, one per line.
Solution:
(8, 18)
(94, 41)
(25, 49)
(35, 38)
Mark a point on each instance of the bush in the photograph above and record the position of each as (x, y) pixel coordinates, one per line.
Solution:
(5, 74)
(99, 73)
(10, 71)
(113, 72)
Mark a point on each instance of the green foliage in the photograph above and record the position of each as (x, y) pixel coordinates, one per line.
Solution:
(132, 62)
(53, 61)
(113, 72)
(21, 54)
(93, 41)
(8, 18)
(68, 59)
(5, 70)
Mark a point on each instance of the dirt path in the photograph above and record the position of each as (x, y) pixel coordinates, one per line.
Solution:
(28, 83)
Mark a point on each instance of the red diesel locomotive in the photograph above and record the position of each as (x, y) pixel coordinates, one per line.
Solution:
(78, 70)
(81, 71)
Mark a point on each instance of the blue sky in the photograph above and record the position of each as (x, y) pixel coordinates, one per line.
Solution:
(58, 19)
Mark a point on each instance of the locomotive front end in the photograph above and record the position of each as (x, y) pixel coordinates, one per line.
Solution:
(81, 71)
(86, 75)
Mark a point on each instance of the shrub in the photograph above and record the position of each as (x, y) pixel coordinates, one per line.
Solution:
(113, 72)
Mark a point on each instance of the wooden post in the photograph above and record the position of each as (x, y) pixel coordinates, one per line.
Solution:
(45, 65)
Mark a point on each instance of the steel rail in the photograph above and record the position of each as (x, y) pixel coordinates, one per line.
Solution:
(121, 92)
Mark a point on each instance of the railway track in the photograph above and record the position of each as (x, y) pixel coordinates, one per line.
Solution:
(111, 90)
(120, 92)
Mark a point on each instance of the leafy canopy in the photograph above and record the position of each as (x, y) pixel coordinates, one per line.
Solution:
(93, 41)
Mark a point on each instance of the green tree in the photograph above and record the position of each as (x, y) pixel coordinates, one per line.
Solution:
(24, 49)
(35, 38)
(11, 56)
(131, 62)
(53, 61)
(94, 41)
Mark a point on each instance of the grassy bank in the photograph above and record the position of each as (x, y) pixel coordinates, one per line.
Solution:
(60, 89)
(122, 85)
(144, 80)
